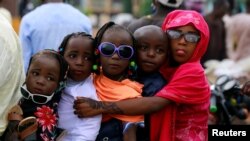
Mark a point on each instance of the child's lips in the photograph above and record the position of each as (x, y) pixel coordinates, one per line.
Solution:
(147, 63)
(180, 52)
(114, 65)
(78, 72)
(38, 91)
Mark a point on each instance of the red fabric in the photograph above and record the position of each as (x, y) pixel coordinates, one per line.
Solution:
(187, 87)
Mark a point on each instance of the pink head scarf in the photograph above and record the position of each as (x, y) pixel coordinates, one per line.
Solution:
(179, 18)
(188, 80)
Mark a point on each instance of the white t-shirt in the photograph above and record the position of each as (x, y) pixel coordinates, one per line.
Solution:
(78, 129)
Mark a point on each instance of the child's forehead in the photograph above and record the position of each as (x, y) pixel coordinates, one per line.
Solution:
(149, 31)
(45, 61)
(117, 36)
(44, 56)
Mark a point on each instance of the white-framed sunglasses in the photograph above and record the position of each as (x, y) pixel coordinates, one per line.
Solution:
(36, 98)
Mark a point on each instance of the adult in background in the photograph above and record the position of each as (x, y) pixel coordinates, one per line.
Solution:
(47, 25)
(5, 12)
(163, 7)
(239, 34)
(11, 70)
(217, 43)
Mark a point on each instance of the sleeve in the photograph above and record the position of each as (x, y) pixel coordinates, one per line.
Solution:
(26, 44)
(188, 85)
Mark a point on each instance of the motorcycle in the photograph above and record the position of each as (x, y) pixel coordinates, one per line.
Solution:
(227, 101)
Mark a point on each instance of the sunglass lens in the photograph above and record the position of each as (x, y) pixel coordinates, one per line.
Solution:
(24, 93)
(125, 52)
(174, 34)
(193, 38)
(107, 49)
(39, 99)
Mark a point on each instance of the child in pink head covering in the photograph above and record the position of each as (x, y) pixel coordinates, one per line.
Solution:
(186, 118)
(179, 112)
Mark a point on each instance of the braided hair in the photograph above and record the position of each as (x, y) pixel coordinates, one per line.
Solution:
(63, 45)
(111, 26)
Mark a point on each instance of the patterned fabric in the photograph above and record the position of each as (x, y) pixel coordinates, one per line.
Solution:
(188, 87)
(46, 115)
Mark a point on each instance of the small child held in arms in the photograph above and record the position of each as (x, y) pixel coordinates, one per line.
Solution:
(41, 93)
(78, 50)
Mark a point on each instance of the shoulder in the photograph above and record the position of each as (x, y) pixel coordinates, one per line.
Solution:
(190, 67)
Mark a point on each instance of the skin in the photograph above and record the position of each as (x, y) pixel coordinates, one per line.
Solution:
(79, 56)
(246, 88)
(151, 50)
(43, 75)
(85, 107)
(182, 50)
(115, 67)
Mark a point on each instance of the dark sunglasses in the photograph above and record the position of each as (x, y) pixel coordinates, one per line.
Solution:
(36, 98)
(108, 49)
(189, 37)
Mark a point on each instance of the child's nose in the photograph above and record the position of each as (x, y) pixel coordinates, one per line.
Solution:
(151, 53)
(40, 81)
(115, 56)
(79, 61)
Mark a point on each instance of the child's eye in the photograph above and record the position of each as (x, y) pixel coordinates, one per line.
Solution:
(143, 47)
(72, 56)
(160, 50)
(87, 58)
(50, 78)
(34, 73)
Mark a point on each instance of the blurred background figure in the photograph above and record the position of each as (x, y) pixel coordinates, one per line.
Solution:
(217, 46)
(239, 35)
(5, 12)
(25, 6)
(162, 8)
(123, 19)
(197, 5)
(11, 70)
(47, 25)
(237, 44)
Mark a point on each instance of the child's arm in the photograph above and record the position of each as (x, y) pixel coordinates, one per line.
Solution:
(85, 107)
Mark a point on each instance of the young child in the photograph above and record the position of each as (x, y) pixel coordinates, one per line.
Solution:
(40, 96)
(116, 54)
(78, 51)
(179, 111)
(151, 52)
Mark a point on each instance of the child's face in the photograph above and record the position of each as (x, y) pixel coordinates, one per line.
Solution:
(79, 55)
(151, 51)
(181, 49)
(114, 67)
(43, 75)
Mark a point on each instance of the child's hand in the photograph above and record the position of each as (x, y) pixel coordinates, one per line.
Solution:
(86, 107)
(246, 88)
